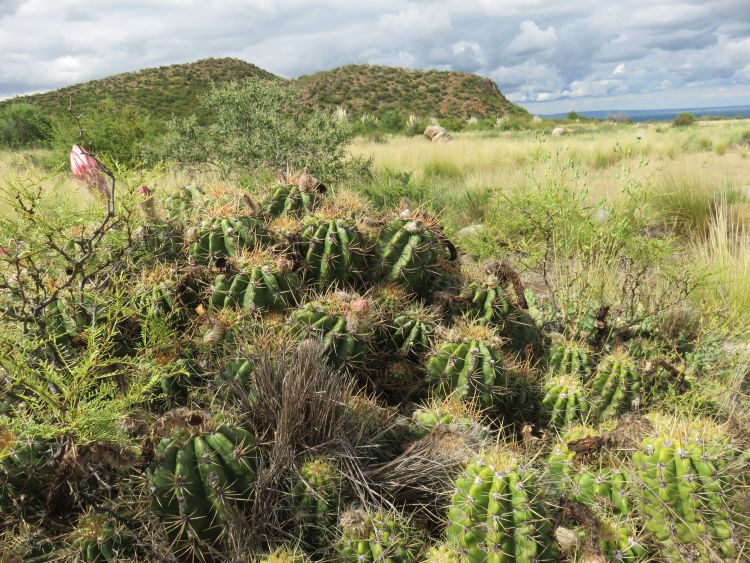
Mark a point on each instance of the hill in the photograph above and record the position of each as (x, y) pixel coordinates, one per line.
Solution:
(173, 90)
(163, 91)
(375, 89)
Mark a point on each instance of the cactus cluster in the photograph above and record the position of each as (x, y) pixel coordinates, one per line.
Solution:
(306, 379)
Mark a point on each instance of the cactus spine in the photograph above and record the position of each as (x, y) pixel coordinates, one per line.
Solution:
(333, 252)
(408, 252)
(200, 481)
(494, 514)
(377, 537)
(469, 368)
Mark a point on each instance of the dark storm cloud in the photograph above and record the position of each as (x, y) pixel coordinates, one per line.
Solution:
(542, 53)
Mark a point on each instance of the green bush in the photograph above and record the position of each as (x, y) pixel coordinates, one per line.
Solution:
(684, 119)
(259, 125)
(117, 134)
(23, 125)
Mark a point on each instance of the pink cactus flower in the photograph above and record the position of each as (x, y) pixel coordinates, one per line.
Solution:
(145, 191)
(87, 170)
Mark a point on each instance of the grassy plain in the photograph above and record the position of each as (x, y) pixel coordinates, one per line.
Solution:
(693, 184)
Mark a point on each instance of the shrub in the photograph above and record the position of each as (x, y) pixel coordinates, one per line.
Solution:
(117, 134)
(684, 119)
(23, 125)
(257, 125)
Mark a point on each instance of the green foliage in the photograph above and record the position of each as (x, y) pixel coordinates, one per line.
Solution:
(259, 124)
(117, 134)
(23, 126)
(683, 120)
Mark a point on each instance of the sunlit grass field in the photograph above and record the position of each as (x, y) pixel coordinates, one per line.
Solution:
(696, 180)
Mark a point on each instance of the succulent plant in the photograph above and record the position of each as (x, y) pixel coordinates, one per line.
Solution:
(411, 332)
(183, 201)
(317, 494)
(377, 536)
(102, 541)
(333, 251)
(318, 320)
(469, 368)
(495, 514)
(616, 386)
(197, 481)
(571, 359)
(408, 252)
(685, 487)
(285, 555)
(288, 199)
(221, 238)
(564, 400)
(483, 303)
(263, 288)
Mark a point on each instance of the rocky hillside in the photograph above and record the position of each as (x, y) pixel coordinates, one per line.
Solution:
(173, 90)
(162, 91)
(374, 89)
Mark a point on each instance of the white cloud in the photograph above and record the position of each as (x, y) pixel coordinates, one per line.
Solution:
(532, 39)
(539, 51)
(415, 22)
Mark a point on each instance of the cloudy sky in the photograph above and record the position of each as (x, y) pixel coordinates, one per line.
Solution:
(547, 55)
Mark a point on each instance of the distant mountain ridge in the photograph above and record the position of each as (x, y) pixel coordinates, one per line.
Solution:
(174, 90)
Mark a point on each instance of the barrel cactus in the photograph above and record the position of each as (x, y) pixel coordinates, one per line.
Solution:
(101, 540)
(470, 366)
(447, 412)
(199, 480)
(564, 400)
(483, 303)
(408, 252)
(570, 358)
(336, 328)
(616, 386)
(495, 513)
(316, 495)
(411, 332)
(377, 536)
(686, 484)
(333, 251)
(285, 555)
(183, 201)
(225, 237)
(290, 200)
(262, 288)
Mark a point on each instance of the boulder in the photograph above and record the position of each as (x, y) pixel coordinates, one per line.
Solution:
(433, 131)
(558, 131)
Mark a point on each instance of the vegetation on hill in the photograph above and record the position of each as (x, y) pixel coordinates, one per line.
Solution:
(372, 89)
(163, 91)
